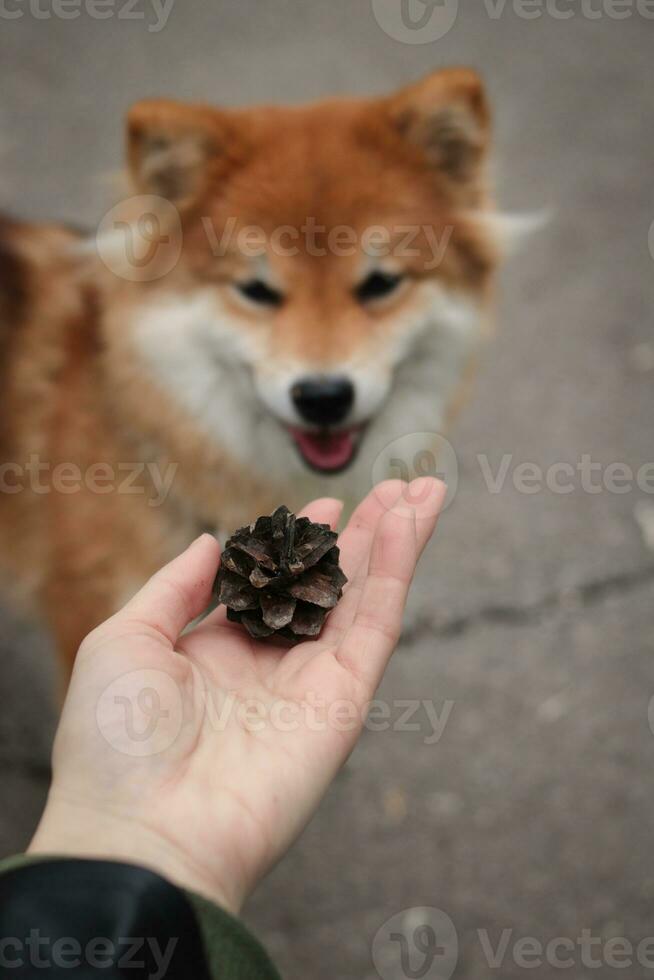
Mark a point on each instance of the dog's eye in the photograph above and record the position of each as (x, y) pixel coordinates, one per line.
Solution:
(377, 285)
(258, 291)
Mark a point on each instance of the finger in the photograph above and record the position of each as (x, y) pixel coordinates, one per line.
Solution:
(177, 593)
(326, 510)
(401, 535)
(356, 539)
(355, 543)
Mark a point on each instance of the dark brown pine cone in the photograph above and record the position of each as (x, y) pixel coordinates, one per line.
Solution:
(280, 576)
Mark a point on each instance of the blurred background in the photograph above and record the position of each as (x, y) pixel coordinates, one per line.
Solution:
(531, 628)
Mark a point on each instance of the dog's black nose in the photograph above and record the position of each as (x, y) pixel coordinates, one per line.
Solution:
(323, 401)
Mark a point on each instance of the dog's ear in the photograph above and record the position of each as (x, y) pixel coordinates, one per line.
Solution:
(173, 148)
(447, 116)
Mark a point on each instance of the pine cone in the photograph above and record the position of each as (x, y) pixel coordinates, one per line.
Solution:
(280, 576)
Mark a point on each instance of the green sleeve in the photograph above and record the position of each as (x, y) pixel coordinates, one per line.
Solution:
(232, 952)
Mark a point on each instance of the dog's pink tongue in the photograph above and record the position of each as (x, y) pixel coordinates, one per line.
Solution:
(326, 450)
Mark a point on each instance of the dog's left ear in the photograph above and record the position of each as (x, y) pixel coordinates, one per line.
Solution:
(447, 116)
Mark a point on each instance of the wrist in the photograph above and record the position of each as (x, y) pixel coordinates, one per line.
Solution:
(80, 830)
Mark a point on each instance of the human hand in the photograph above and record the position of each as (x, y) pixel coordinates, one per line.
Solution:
(204, 755)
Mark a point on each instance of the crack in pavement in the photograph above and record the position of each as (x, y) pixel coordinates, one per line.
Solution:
(573, 597)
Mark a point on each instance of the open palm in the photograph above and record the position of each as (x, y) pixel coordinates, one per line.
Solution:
(203, 754)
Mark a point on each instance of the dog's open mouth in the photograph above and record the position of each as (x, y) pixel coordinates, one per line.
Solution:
(327, 451)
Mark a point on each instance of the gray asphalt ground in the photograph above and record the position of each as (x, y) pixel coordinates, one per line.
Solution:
(532, 621)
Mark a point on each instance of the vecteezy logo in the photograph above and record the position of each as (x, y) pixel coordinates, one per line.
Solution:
(416, 21)
(417, 944)
(141, 713)
(414, 455)
(140, 239)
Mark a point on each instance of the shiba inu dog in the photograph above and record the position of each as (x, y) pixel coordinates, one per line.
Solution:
(286, 291)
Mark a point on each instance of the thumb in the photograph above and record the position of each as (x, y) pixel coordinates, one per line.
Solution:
(177, 593)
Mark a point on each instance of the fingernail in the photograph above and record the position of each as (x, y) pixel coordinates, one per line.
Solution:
(424, 495)
(421, 487)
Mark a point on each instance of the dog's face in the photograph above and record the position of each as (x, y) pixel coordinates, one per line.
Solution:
(333, 273)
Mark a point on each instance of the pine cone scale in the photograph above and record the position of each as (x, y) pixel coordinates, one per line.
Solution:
(316, 588)
(308, 620)
(256, 626)
(257, 550)
(237, 593)
(277, 611)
